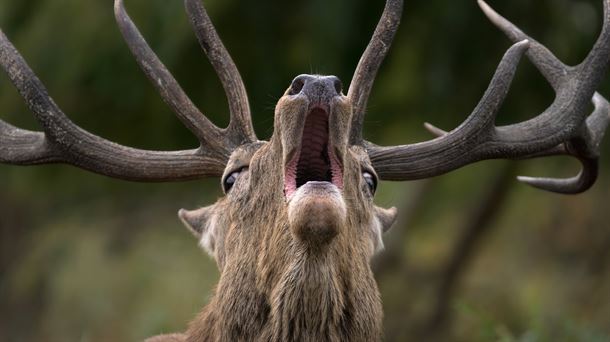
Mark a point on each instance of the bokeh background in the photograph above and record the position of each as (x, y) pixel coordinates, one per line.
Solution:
(475, 256)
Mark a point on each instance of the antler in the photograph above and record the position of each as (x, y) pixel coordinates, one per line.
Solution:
(366, 71)
(563, 128)
(65, 142)
(241, 119)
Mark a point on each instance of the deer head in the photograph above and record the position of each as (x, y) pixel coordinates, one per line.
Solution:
(297, 226)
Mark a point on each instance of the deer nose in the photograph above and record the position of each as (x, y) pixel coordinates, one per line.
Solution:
(317, 88)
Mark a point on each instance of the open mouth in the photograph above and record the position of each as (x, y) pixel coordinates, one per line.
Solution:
(315, 160)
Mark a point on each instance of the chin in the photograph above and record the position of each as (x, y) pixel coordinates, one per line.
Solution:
(316, 213)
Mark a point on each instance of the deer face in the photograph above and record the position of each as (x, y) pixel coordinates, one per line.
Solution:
(306, 190)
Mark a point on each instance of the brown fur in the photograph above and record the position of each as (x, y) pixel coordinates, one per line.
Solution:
(290, 278)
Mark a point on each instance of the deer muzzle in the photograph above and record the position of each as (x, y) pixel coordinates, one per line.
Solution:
(316, 213)
(313, 178)
(318, 157)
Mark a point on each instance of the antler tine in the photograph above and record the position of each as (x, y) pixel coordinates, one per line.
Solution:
(563, 128)
(594, 67)
(241, 119)
(364, 76)
(549, 66)
(434, 130)
(452, 149)
(23, 147)
(586, 148)
(556, 72)
(210, 136)
(597, 123)
(65, 142)
(569, 186)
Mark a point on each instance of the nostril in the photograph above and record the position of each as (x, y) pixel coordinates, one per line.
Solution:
(338, 85)
(297, 85)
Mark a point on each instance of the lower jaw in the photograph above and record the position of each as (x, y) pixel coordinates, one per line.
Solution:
(316, 213)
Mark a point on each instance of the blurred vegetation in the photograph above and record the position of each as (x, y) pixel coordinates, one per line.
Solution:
(87, 258)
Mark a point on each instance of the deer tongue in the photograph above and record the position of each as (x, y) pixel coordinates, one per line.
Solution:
(314, 162)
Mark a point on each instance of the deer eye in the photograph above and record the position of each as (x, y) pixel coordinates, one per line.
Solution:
(230, 179)
(371, 181)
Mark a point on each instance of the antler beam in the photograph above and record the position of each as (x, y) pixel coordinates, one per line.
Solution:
(366, 71)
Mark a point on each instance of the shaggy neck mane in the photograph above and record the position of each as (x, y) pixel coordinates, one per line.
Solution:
(312, 299)
(309, 302)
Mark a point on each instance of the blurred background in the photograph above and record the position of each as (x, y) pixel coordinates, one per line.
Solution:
(475, 256)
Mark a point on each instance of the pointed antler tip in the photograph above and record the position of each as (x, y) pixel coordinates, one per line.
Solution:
(521, 46)
(492, 15)
(524, 179)
(485, 7)
(119, 11)
(434, 130)
(567, 186)
(599, 101)
(538, 183)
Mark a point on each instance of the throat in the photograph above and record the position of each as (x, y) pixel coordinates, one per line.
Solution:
(310, 299)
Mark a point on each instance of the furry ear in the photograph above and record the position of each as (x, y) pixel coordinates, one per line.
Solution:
(196, 220)
(386, 217)
(202, 223)
(383, 219)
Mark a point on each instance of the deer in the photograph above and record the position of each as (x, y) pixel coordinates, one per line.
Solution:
(297, 227)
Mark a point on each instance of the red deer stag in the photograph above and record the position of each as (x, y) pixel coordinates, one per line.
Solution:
(295, 232)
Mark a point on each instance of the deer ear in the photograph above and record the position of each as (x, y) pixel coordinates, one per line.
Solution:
(196, 220)
(386, 217)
